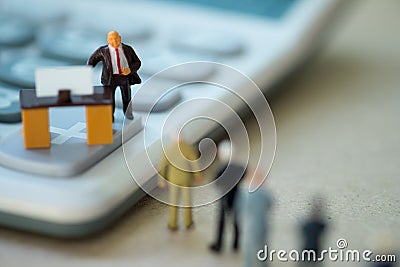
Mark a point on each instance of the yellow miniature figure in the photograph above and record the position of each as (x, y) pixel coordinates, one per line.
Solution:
(179, 167)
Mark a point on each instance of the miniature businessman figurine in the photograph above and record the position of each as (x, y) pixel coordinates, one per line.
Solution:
(180, 168)
(229, 176)
(120, 66)
(312, 230)
(254, 210)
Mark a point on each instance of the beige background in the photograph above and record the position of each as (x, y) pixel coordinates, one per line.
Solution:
(338, 134)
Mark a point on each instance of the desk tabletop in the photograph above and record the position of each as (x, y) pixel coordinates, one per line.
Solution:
(102, 96)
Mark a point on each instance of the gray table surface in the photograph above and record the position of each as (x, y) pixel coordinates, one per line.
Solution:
(338, 135)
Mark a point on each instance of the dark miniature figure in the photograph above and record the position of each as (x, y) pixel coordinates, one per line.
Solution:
(229, 176)
(312, 230)
(383, 264)
(120, 66)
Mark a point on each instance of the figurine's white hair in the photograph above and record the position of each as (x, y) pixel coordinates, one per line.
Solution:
(224, 151)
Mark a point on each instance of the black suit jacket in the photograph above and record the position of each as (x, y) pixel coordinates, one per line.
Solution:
(103, 54)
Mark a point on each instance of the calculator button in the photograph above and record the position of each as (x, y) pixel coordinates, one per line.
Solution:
(150, 100)
(14, 31)
(10, 110)
(155, 62)
(75, 45)
(213, 43)
(127, 20)
(131, 30)
(21, 72)
(40, 13)
(69, 154)
(147, 99)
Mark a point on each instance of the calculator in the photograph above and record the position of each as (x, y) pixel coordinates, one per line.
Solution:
(73, 190)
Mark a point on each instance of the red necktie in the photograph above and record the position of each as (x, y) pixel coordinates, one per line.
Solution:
(118, 61)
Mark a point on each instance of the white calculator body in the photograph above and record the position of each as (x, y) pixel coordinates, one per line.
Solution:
(265, 40)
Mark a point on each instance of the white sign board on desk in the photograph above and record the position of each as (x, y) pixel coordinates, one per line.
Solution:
(78, 79)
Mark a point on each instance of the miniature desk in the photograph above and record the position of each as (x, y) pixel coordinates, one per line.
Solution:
(35, 116)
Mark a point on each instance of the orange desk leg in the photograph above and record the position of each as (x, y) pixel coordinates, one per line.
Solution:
(99, 124)
(35, 123)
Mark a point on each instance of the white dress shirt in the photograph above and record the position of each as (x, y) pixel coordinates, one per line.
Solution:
(122, 58)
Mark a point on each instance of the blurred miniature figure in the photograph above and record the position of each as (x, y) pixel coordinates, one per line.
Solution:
(180, 168)
(120, 66)
(313, 229)
(228, 178)
(385, 248)
(383, 264)
(254, 210)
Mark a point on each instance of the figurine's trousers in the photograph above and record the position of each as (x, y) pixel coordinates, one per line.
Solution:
(226, 211)
(123, 82)
(174, 192)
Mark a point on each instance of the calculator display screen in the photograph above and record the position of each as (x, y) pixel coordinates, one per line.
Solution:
(267, 8)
